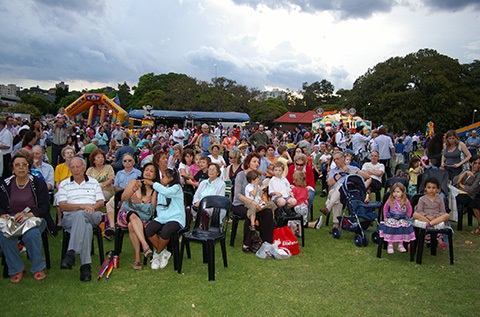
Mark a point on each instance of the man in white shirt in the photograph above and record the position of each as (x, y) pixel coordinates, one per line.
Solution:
(177, 135)
(6, 143)
(375, 170)
(79, 197)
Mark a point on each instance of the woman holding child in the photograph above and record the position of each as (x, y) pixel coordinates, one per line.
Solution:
(264, 216)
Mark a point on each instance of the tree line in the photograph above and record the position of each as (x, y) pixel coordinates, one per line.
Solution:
(404, 93)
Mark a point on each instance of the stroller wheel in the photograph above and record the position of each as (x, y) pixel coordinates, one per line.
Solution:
(375, 237)
(336, 233)
(358, 240)
(365, 240)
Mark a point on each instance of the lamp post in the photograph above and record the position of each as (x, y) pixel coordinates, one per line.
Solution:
(473, 116)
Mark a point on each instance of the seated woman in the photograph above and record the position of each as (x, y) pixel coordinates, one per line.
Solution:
(138, 208)
(214, 185)
(469, 181)
(264, 216)
(170, 216)
(102, 172)
(18, 193)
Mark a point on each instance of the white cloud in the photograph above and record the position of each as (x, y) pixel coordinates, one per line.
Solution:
(256, 43)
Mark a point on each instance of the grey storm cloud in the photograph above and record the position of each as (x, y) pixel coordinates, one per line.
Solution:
(358, 8)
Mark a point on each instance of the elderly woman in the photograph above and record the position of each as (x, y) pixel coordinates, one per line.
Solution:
(264, 216)
(23, 196)
(102, 172)
(138, 208)
(213, 186)
(469, 181)
(455, 154)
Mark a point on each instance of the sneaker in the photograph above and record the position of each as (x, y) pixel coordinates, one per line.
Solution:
(155, 262)
(401, 248)
(440, 226)
(164, 259)
(420, 224)
(319, 223)
(390, 249)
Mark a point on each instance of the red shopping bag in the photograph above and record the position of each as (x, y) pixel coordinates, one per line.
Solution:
(287, 239)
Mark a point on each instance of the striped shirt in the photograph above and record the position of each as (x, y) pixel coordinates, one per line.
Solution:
(87, 192)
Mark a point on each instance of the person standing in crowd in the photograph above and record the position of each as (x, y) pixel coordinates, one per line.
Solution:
(117, 133)
(384, 146)
(177, 134)
(408, 143)
(60, 134)
(6, 144)
(204, 140)
(473, 142)
(260, 137)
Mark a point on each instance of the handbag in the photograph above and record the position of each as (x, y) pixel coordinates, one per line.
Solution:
(287, 239)
(12, 229)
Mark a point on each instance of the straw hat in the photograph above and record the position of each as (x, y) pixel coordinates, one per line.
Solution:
(242, 146)
(220, 147)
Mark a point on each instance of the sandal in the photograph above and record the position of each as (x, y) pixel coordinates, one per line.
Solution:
(17, 277)
(246, 249)
(476, 231)
(137, 265)
(40, 275)
(147, 253)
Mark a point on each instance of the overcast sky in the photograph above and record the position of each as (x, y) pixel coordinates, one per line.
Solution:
(269, 43)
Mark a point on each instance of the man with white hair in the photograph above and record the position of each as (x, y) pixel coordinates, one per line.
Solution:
(44, 168)
(204, 140)
(79, 198)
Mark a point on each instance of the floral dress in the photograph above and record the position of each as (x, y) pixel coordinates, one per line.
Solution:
(398, 226)
(145, 211)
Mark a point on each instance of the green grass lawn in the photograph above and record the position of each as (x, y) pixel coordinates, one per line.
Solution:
(328, 278)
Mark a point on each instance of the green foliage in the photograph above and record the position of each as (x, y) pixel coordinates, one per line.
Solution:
(60, 93)
(124, 94)
(407, 92)
(32, 110)
(266, 111)
(40, 102)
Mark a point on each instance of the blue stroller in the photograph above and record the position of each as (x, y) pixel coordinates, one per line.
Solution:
(361, 214)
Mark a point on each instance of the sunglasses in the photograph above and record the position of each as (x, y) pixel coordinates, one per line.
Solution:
(127, 161)
(298, 164)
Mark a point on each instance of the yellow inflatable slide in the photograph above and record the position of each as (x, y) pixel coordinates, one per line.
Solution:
(96, 103)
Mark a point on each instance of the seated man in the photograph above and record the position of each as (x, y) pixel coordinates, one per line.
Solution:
(79, 198)
(336, 177)
(375, 170)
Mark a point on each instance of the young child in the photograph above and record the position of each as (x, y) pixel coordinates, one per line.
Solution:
(396, 212)
(279, 188)
(195, 167)
(254, 192)
(430, 210)
(300, 193)
(203, 172)
(146, 151)
(414, 169)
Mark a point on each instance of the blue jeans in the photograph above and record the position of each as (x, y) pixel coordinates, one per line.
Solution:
(32, 240)
(311, 196)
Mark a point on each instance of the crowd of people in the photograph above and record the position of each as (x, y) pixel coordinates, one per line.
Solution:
(162, 173)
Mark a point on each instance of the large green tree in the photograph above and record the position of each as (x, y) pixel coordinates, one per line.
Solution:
(407, 92)
(40, 102)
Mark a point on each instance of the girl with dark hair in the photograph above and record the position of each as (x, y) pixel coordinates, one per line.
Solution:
(29, 140)
(170, 216)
